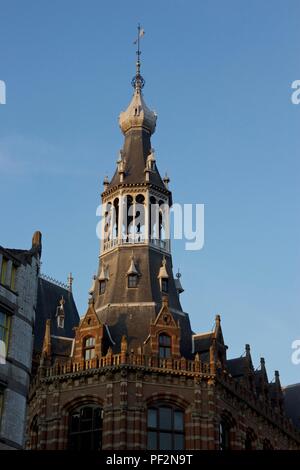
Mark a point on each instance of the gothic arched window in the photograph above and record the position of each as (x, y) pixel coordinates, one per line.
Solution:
(164, 343)
(165, 428)
(89, 348)
(85, 428)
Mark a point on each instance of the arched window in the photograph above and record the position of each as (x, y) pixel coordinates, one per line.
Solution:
(89, 348)
(165, 428)
(224, 436)
(164, 342)
(85, 428)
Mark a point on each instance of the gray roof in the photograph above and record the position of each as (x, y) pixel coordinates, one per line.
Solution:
(137, 147)
(130, 311)
(48, 298)
(148, 262)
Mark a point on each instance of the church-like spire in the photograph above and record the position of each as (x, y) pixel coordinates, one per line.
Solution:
(138, 115)
(135, 256)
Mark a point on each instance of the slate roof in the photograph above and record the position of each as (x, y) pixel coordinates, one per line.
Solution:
(148, 262)
(48, 298)
(133, 321)
(137, 147)
(292, 403)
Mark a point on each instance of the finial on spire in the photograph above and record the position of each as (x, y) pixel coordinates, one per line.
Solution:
(138, 82)
(178, 285)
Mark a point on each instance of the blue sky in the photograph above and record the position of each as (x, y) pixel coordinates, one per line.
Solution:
(219, 76)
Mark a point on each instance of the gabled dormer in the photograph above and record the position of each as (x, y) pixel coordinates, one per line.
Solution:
(164, 338)
(88, 337)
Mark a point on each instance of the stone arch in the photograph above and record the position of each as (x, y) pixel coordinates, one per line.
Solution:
(166, 397)
(81, 401)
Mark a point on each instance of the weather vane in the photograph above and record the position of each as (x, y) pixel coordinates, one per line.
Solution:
(138, 82)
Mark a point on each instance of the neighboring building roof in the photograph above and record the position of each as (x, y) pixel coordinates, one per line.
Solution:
(25, 256)
(48, 297)
(292, 403)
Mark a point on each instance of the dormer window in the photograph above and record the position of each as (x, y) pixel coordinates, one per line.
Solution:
(164, 343)
(89, 348)
(132, 274)
(60, 313)
(132, 280)
(164, 277)
(165, 285)
(103, 278)
(102, 287)
(60, 321)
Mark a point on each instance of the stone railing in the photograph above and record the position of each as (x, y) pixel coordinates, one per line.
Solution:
(135, 240)
(115, 360)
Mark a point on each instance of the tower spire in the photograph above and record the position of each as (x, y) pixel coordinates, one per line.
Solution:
(138, 82)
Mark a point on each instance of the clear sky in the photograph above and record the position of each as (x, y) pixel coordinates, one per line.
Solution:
(219, 76)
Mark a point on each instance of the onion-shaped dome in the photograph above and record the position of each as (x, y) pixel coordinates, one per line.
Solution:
(137, 115)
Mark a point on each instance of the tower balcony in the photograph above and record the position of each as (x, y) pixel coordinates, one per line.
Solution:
(137, 239)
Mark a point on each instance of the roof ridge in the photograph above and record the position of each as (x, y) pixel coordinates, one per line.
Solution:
(45, 277)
